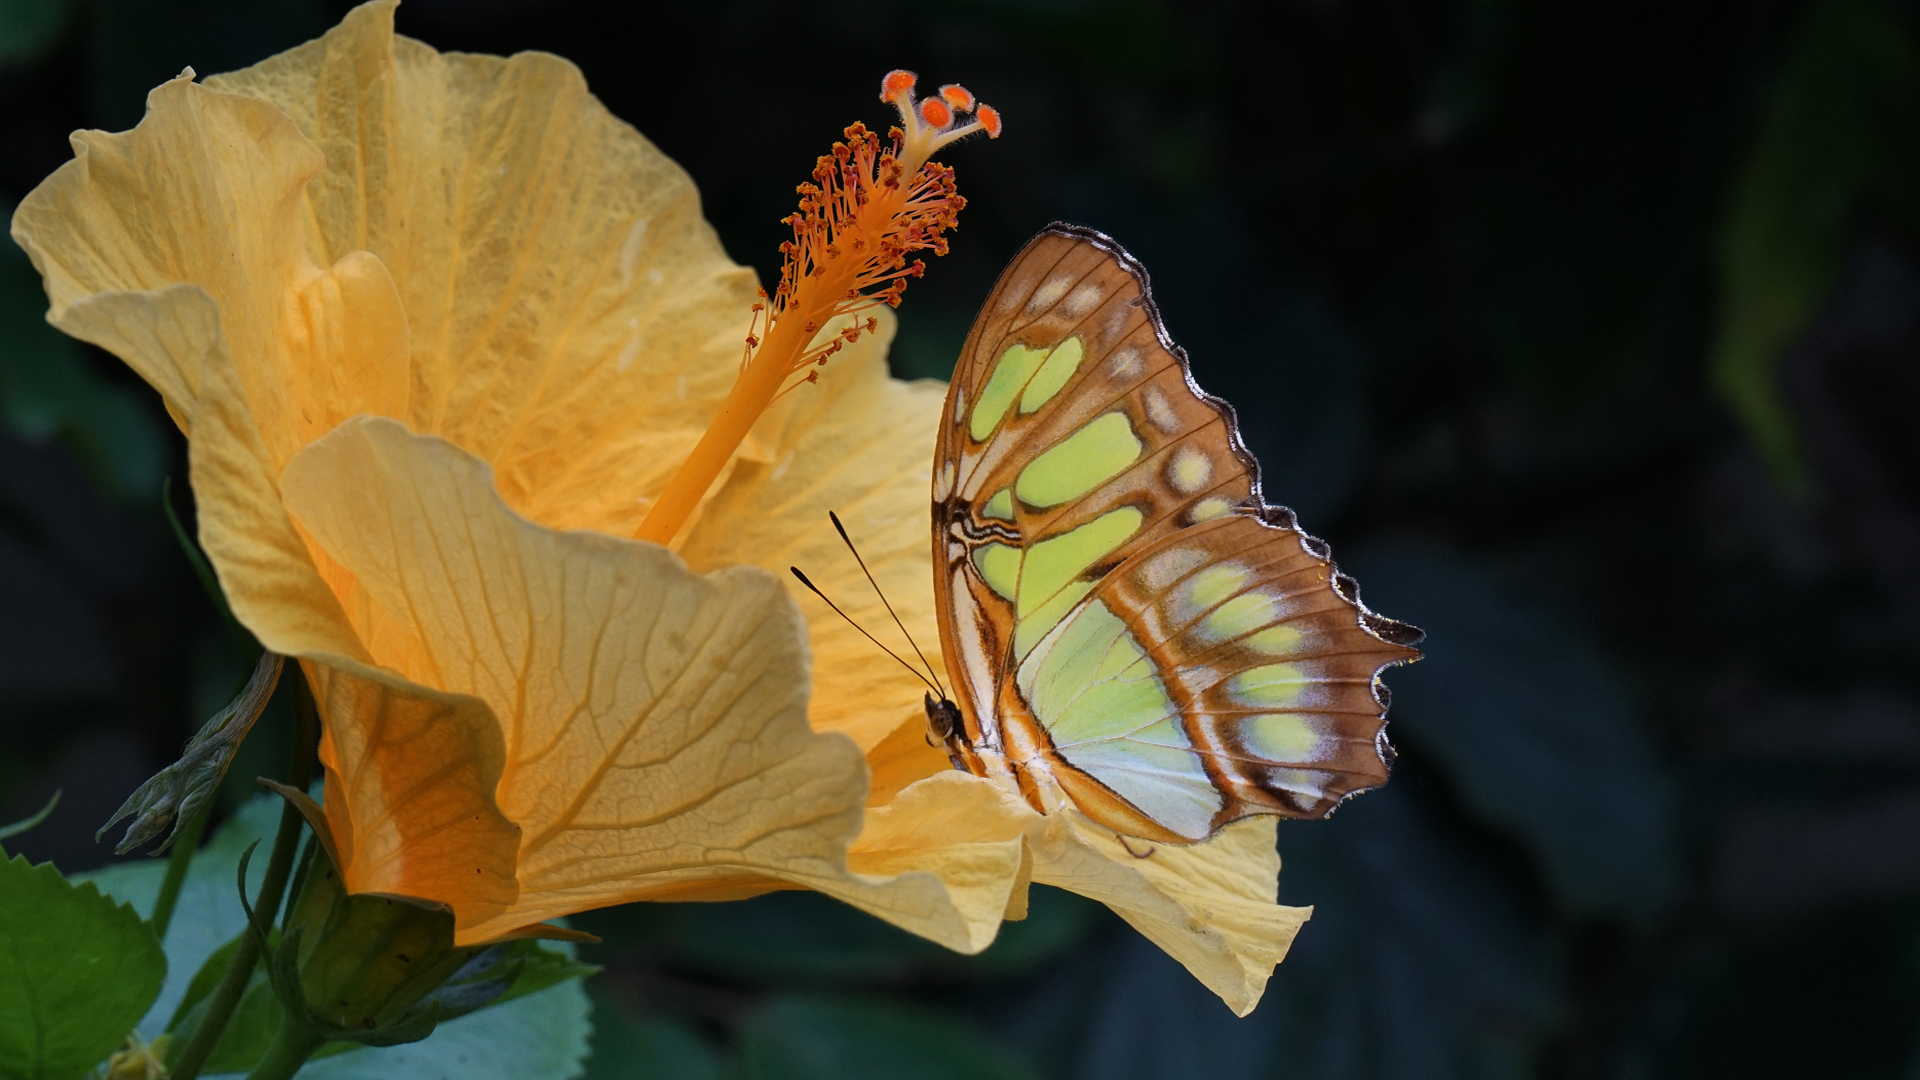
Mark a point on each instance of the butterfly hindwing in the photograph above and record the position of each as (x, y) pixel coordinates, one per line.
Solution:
(1264, 658)
(1074, 451)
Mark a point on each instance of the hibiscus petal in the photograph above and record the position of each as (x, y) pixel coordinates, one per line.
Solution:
(959, 839)
(654, 719)
(904, 757)
(410, 779)
(574, 319)
(861, 444)
(1210, 906)
(179, 245)
(206, 191)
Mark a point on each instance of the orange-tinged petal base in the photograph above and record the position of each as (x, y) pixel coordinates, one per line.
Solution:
(410, 775)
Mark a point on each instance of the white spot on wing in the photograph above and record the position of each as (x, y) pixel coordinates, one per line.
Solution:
(1047, 295)
(1209, 508)
(1082, 299)
(1010, 299)
(1160, 411)
(1162, 570)
(1126, 362)
(1188, 470)
(943, 484)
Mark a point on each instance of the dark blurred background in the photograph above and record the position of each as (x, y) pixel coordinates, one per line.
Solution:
(1588, 333)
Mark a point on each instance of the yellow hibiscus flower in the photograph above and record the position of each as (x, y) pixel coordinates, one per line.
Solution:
(444, 336)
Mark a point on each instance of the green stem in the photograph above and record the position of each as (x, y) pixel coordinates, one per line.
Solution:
(178, 859)
(233, 985)
(242, 637)
(294, 1041)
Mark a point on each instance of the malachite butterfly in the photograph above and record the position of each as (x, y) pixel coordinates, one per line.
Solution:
(1129, 627)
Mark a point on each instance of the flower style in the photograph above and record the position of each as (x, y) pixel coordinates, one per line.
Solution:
(444, 335)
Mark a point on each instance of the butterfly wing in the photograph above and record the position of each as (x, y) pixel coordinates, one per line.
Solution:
(1078, 467)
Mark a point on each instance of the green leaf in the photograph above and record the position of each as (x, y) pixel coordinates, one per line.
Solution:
(80, 970)
(1532, 724)
(1841, 127)
(208, 915)
(797, 1038)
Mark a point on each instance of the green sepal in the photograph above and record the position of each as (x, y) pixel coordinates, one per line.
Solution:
(80, 972)
(364, 968)
(503, 972)
(537, 968)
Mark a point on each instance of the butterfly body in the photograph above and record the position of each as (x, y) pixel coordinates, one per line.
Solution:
(1131, 630)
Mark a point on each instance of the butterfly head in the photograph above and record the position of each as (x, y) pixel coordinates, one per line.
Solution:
(943, 718)
(946, 729)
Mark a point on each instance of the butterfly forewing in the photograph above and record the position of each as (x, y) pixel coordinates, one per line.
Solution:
(1076, 455)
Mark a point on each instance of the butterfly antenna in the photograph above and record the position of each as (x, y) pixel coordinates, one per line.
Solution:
(863, 631)
(841, 529)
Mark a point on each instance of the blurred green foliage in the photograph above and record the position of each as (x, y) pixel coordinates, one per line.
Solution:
(1841, 132)
(29, 27)
(1590, 336)
(50, 388)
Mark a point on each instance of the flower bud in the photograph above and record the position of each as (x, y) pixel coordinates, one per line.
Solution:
(373, 969)
(176, 793)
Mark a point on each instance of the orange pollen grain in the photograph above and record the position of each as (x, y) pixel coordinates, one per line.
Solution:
(868, 206)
